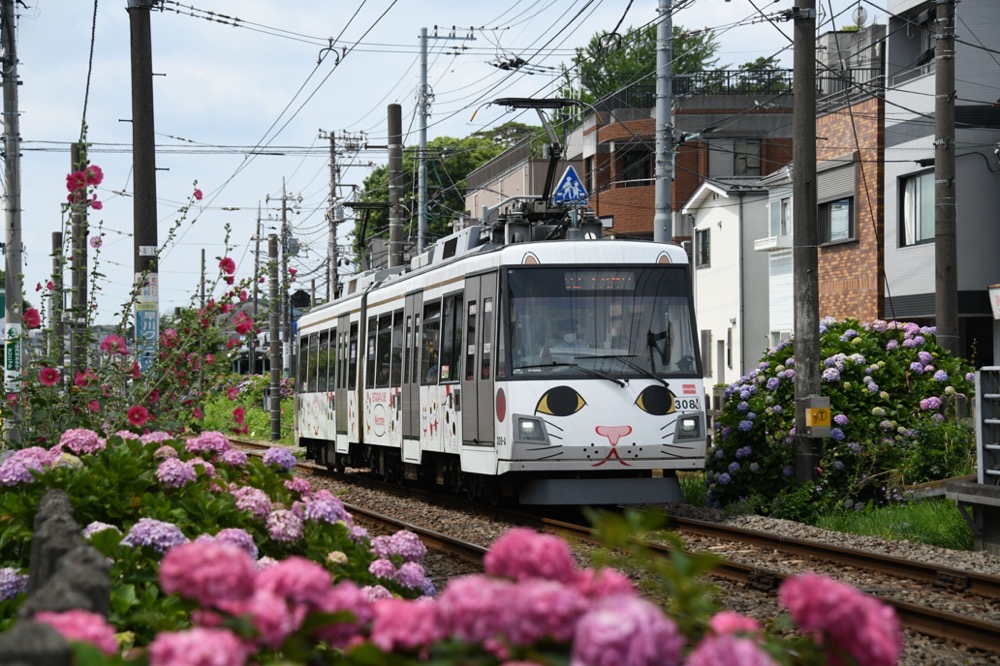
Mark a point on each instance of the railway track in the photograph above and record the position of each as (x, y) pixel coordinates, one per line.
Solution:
(939, 624)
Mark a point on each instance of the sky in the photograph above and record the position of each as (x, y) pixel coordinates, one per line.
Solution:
(246, 93)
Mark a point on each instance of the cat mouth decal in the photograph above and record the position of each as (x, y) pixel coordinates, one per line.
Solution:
(613, 433)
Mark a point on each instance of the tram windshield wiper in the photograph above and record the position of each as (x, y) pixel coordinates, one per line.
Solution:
(624, 358)
(558, 364)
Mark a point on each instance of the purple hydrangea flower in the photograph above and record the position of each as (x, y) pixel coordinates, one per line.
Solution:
(831, 375)
(17, 467)
(788, 471)
(854, 447)
(324, 507)
(837, 465)
(745, 426)
(970, 376)
(873, 387)
(909, 343)
(734, 467)
(12, 583)
(283, 525)
(240, 538)
(234, 457)
(836, 434)
(175, 473)
(931, 403)
(157, 534)
(724, 478)
(773, 383)
(719, 453)
(917, 367)
(777, 409)
(209, 441)
(408, 545)
(97, 526)
(940, 376)
(382, 568)
(279, 457)
(743, 406)
(155, 437)
(848, 334)
(925, 357)
(841, 419)
(891, 345)
(253, 500)
(743, 452)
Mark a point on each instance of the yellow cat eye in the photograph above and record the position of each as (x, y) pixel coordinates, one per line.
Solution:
(560, 401)
(656, 400)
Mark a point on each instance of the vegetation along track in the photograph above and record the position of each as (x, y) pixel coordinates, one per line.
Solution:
(758, 560)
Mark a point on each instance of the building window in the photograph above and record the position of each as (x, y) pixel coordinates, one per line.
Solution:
(836, 221)
(590, 175)
(635, 167)
(746, 153)
(917, 209)
(702, 249)
(781, 217)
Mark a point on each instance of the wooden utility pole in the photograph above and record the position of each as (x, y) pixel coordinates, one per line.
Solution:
(147, 281)
(275, 393)
(945, 241)
(805, 235)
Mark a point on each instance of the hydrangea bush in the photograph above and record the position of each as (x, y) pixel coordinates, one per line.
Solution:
(893, 394)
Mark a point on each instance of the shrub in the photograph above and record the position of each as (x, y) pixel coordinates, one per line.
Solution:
(893, 392)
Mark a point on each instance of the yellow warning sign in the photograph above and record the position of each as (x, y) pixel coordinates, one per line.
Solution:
(817, 418)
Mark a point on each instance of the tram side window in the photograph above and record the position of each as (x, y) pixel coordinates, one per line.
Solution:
(430, 343)
(322, 360)
(352, 358)
(370, 363)
(396, 356)
(487, 338)
(303, 363)
(470, 335)
(311, 366)
(451, 339)
(331, 361)
(383, 350)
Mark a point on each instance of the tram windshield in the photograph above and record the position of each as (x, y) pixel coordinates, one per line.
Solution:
(620, 322)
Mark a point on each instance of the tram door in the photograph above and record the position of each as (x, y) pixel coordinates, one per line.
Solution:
(411, 365)
(477, 365)
(340, 378)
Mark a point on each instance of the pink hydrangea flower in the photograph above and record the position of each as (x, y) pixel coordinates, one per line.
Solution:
(199, 647)
(175, 473)
(345, 596)
(728, 649)
(602, 583)
(253, 500)
(860, 625)
(211, 441)
(208, 572)
(285, 526)
(270, 615)
(728, 622)
(83, 626)
(79, 441)
(405, 625)
(626, 630)
(522, 553)
(474, 608)
(297, 579)
(543, 609)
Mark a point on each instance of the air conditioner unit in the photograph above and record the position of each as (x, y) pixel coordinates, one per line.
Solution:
(687, 247)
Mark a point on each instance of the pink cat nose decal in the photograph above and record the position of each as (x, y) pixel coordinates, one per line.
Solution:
(613, 433)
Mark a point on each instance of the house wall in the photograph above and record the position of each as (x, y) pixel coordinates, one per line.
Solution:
(849, 273)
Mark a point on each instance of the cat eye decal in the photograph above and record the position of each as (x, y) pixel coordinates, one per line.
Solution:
(656, 400)
(560, 401)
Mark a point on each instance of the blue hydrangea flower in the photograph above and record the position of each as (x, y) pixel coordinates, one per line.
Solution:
(836, 434)
(873, 388)
(743, 406)
(734, 467)
(917, 367)
(719, 453)
(12, 583)
(777, 409)
(941, 376)
(788, 471)
(745, 426)
(854, 447)
(157, 534)
(724, 478)
(925, 357)
(841, 419)
(838, 465)
(848, 334)
(773, 383)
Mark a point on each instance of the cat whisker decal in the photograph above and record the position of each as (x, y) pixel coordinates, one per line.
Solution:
(550, 424)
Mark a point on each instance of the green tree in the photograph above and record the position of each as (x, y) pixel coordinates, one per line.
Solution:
(450, 161)
(612, 62)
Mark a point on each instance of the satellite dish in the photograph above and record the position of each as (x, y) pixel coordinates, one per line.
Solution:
(860, 15)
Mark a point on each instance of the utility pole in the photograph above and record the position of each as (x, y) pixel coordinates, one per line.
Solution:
(424, 99)
(275, 393)
(395, 126)
(256, 290)
(202, 277)
(58, 347)
(78, 265)
(805, 237)
(147, 320)
(331, 218)
(286, 311)
(662, 218)
(13, 352)
(945, 243)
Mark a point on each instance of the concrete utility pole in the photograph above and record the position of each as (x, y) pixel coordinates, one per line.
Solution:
(945, 244)
(256, 291)
(805, 237)
(662, 219)
(78, 265)
(395, 125)
(58, 347)
(275, 396)
(286, 310)
(331, 218)
(424, 99)
(13, 352)
(147, 320)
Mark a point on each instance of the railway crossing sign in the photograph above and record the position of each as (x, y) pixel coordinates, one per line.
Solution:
(570, 189)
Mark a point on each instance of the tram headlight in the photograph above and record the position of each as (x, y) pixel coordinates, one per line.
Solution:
(689, 427)
(530, 430)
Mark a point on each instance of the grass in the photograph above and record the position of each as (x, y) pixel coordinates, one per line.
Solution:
(219, 416)
(934, 521)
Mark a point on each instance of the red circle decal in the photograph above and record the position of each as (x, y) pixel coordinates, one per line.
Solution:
(501, 405)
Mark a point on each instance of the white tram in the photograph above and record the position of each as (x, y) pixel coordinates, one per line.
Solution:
(552, 372)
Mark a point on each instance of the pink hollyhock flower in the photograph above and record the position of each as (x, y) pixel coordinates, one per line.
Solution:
(198, 195)
(197, 413)
(729, 649)
(859, 625)
(31, 318)
(227, 265)
(243, 323)
(522, 553)
(94, 406)
(199, 647)
(210, 359)
(75, 181)
(208, 572)
(168, 338)
(626, 630)
(93, 175)
(138, 415)
(135, 369)
(38, 286)
(49, 376)
(49, 285)
(96, 242)
(230, 279)
(12, 399)
(405, 625)
(239, 415)
(232, 393)
(85, 378)
(113, 344)
(95, 203)
(292, 271)
(243, 296)
(154, 395)
(82, 626)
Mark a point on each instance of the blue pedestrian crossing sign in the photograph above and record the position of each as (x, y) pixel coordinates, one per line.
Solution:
(570, 189)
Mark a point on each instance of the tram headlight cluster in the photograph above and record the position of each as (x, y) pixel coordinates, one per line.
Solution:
(530, 430)
(689, 427)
